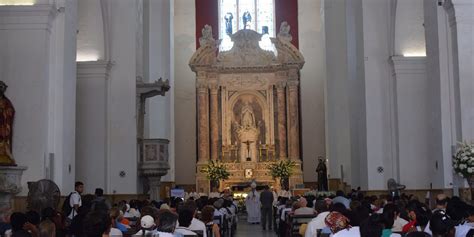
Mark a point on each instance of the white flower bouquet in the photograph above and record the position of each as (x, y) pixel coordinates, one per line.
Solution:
(463, 160)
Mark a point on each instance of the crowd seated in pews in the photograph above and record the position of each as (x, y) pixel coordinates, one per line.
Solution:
(92, 216)
(358, 215)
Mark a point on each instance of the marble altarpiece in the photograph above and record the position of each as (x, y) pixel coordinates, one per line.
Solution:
(247, 106)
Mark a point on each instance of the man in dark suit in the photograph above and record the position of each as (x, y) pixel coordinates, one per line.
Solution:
(266, 199)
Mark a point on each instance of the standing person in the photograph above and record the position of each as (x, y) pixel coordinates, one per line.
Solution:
(266, 200)
(75, 199)
(252, 204)
(322, 175)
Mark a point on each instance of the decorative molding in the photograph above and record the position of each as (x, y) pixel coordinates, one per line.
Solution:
(105, 8)
(94, 69)
(36, 17)
(246, 55)
(246, 51)
(408, 65)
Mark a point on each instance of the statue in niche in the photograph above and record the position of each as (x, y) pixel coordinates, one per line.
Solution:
(248, 133)
(248, 118)
(7, 114)
(228, 23)
(247, 20)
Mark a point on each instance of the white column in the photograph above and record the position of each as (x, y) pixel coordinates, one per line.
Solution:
(413, 117)
(122, 95)
(441, 94)
(157, 62)
(461, 22)
(92, 123)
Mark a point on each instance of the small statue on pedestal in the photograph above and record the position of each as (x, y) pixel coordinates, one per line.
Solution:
(322, 175)
(7, 113)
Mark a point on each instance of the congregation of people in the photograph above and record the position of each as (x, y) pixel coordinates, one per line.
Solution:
(280, 213)
(94, 216)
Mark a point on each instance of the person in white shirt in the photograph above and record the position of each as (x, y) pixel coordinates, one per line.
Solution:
(463, 229)
(317, 223)
(185, 217)
(196, 224)
(75, 199)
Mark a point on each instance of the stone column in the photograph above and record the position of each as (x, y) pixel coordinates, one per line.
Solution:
(461, 22)
(293, 120)
(214, 126)
(203, 122)
(281, 103)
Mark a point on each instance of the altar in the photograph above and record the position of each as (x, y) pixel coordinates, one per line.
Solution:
(247, 106)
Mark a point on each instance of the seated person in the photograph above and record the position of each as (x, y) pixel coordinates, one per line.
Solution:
(196, 224)
(304, 209)
(207, 216)
(147, 224)
(185, 217)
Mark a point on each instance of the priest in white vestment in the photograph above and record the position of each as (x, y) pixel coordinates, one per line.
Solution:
(252, 204)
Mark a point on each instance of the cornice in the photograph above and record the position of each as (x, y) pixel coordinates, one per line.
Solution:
(408, 65)
(36, 17)
(94, 69)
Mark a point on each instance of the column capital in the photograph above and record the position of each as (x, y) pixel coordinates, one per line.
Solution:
(280, 85)
(292, 84)
(201, 85)
(214, 88)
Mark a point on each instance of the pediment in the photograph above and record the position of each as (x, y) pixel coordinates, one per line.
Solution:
(245, 52)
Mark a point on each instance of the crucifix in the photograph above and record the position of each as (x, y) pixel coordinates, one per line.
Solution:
(248, 149)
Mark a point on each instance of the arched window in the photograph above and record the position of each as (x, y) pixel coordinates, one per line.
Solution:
(258, 15)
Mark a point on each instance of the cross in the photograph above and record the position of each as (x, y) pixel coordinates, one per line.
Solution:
(248, 149)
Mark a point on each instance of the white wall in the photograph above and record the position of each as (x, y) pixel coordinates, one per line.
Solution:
(312, 85)
(409, 30)
(38, 65)
(185, 92)
(90, 36)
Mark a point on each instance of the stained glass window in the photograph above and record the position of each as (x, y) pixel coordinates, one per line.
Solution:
(258, 15)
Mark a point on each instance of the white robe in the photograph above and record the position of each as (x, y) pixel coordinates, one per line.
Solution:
(252, 204)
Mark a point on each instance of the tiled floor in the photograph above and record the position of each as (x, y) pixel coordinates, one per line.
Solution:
(245, 229)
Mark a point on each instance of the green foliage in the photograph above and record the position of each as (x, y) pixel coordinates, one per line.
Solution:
(215, 171)
(282, 169)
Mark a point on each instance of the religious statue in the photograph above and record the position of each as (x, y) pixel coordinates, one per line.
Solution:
(284, 33)
(247, 19)
(7, 113)
(322, 175)
(206, 38)
(228, 23)
(248, 118)
(248, 133)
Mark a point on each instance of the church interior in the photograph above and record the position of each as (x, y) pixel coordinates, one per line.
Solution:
(147, 99)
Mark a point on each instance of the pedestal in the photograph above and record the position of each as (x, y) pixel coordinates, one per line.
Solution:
(10, 184)
(155, 185)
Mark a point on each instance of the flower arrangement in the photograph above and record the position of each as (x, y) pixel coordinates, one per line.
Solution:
(282, 169)
(215, 171)
(463, 160)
